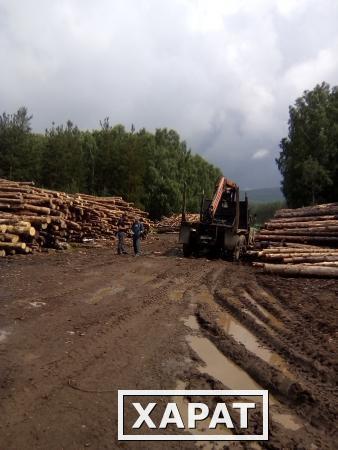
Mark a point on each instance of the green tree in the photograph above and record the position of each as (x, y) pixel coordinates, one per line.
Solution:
(308, 160)
(149, 169)
(62, 159)
(15, 148)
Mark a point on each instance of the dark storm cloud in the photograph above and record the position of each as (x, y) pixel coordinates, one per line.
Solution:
(222, 73)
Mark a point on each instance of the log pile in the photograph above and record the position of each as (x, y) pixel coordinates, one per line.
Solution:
(172, 224)
(310, 225)
(301, 241)
(32, 218)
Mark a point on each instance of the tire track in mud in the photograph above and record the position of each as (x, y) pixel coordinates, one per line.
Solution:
(102, 316)
(258, 342)
(318, 366)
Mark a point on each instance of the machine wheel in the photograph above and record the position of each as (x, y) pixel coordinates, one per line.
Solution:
(239, 248)
(187, 250)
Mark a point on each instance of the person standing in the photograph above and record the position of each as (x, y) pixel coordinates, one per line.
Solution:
(121, 234)
(137, 229)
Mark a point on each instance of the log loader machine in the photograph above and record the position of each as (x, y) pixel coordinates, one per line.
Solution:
(224, 225)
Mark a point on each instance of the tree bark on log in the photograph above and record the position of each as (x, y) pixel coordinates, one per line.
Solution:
(299, 270)
(303, 219)
(308, 224)
(13, 246)
(301, 250)
(279, 238)
(7, 237)
(319, 210)
(28, 231)
(60, 216)
(309, 259)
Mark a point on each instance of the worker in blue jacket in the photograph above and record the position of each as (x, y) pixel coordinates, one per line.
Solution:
(138, 230)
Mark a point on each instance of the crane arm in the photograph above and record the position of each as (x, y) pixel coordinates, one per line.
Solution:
(222, 184)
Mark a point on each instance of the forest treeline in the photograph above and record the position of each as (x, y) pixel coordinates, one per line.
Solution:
(308, 160)
(147, 168)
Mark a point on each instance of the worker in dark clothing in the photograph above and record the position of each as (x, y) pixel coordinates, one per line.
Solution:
(121, 234)
(138, 230)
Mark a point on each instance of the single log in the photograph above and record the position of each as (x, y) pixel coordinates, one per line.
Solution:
(319, 210)
(303, 250)
(303, 219)
(38, 196)
(37, 220)
(326, 264)
(47, 202)
(12, 195)
(299, 245)
(25, 183)
(264, 237)
(7, 237)
(39, 209)
(308, 224)
(320, 231)
(299, 270)
(11, 201)
(29, 231)
(309, 259)
(16, 221)
(13, 246)
(2, 253)
(293, 257)
(18, 189)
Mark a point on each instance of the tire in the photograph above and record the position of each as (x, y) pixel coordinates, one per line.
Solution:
(239, 248)
(187, 250)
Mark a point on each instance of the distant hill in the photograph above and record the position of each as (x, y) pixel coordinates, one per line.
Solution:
(265, 195)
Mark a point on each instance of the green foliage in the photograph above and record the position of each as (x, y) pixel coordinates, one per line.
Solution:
(262, 212)
(16, 145)
(149, 169)
(62, 159)
(308, 159)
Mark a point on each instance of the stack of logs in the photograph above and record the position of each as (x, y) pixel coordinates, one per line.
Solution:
(172, 224)
(301, 241)
(32, 218)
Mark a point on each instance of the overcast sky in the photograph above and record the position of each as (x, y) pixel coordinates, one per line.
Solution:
(221, 73)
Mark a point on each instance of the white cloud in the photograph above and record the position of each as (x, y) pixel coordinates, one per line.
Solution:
(306, 74)
(223, 73)
(261, 153)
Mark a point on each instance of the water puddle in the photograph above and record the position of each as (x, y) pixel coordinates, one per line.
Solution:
(176, 294)
(234, 328)
(255, 318)
(273, 320)
(288, 421)
(230, 374)
(191, 322)
(29, 357)
(219, 366)
(205, 295)
(37, 304)
(3, 335)
(202, 425)
(241, 334)
(104, 292)
(271, 299)
(233, 377)
(138, 277)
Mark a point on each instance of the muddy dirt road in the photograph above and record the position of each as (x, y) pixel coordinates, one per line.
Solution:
(77, 326)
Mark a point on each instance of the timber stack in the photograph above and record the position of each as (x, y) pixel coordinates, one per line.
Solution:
(172, 224)
(32, 218)
(301, 241)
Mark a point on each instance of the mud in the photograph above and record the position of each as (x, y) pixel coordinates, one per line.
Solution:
(77, 326)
